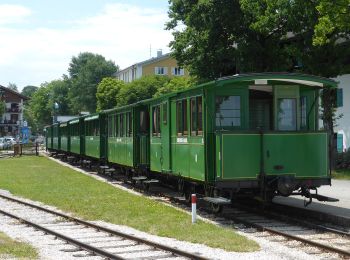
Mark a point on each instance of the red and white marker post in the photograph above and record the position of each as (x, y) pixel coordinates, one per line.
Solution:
(194, 207)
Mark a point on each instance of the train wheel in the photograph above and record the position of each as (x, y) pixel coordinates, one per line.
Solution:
(145, 186)
(216, 208)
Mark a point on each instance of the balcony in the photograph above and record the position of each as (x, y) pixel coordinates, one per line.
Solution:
(8, 122)
(13, 110)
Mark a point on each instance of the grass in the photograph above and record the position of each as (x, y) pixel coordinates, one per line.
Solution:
(12, 248)
(341, 174)
(41, 179)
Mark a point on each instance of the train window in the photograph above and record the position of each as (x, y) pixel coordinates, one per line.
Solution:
(181, 117)
(116, 125)
(129, 124)
(110, 133)
(193, 116)
(96, 128)
(156, 121)
(199, 116)
(121, 125)
(303, 112)
(144, 122)
(228, 111)
(287, 118)
(165, 113)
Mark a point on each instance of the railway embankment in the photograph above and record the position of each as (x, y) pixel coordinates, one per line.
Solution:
(40, 179)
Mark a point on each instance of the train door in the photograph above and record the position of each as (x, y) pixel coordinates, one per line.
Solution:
(142, 131)
(165, 136)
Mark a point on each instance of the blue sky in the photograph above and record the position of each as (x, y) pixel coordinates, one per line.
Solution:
(40, 37)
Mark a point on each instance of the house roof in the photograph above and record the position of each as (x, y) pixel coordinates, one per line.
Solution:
(14, 92)
(145, 62)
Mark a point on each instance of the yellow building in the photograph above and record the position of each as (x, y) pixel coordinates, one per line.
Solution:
(163, 64)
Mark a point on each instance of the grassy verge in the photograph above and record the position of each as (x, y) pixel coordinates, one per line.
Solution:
(11, 248)
(341, 174)
(41, 179)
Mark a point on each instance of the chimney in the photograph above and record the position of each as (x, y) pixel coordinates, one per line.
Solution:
(159, 53)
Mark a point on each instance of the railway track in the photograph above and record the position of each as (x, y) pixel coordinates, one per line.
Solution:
(316, 239)
(108, 244)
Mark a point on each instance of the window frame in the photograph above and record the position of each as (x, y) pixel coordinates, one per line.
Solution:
(295, 113)
(156, 129)
(181, 117)
(221, 118)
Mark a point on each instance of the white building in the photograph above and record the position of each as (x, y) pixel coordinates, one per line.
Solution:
(12, 120)
(343, 124)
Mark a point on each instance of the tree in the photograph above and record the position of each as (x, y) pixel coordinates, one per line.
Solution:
(222, 37)
(12, 86)
(175, 84)
(40, 109)
(85, 72)
(140, 89)
(334, 19)
(107, 91)
(58, 90)
(205, 36)
(28, 91)
(38, 113)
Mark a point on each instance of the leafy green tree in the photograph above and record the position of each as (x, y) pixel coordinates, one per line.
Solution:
(85, 72)
(334, 19)
(218, 38)
(59, 90)
(107, 91)
(175, 84)
(205, 34)
(140, 89)
(38, 111)
(28, 91)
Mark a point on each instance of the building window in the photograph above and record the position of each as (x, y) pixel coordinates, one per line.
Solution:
(287, 114)
(181, 117)
(339, 142)
(161, 71)
(228, 111)
(177, 71)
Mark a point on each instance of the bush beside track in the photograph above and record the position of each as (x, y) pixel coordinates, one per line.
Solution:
(41, 179)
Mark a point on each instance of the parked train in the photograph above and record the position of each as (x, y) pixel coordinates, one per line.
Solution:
(252, 134)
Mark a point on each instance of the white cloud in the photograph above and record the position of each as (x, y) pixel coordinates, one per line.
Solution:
(122, 33)
(13, 13)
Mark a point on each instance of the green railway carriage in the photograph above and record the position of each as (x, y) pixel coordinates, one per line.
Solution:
(256, 132)
(48, 135)
(95, 130)
(56, 139)
(253, 133)
(128, 136)
(65, 138)
(76, 135)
